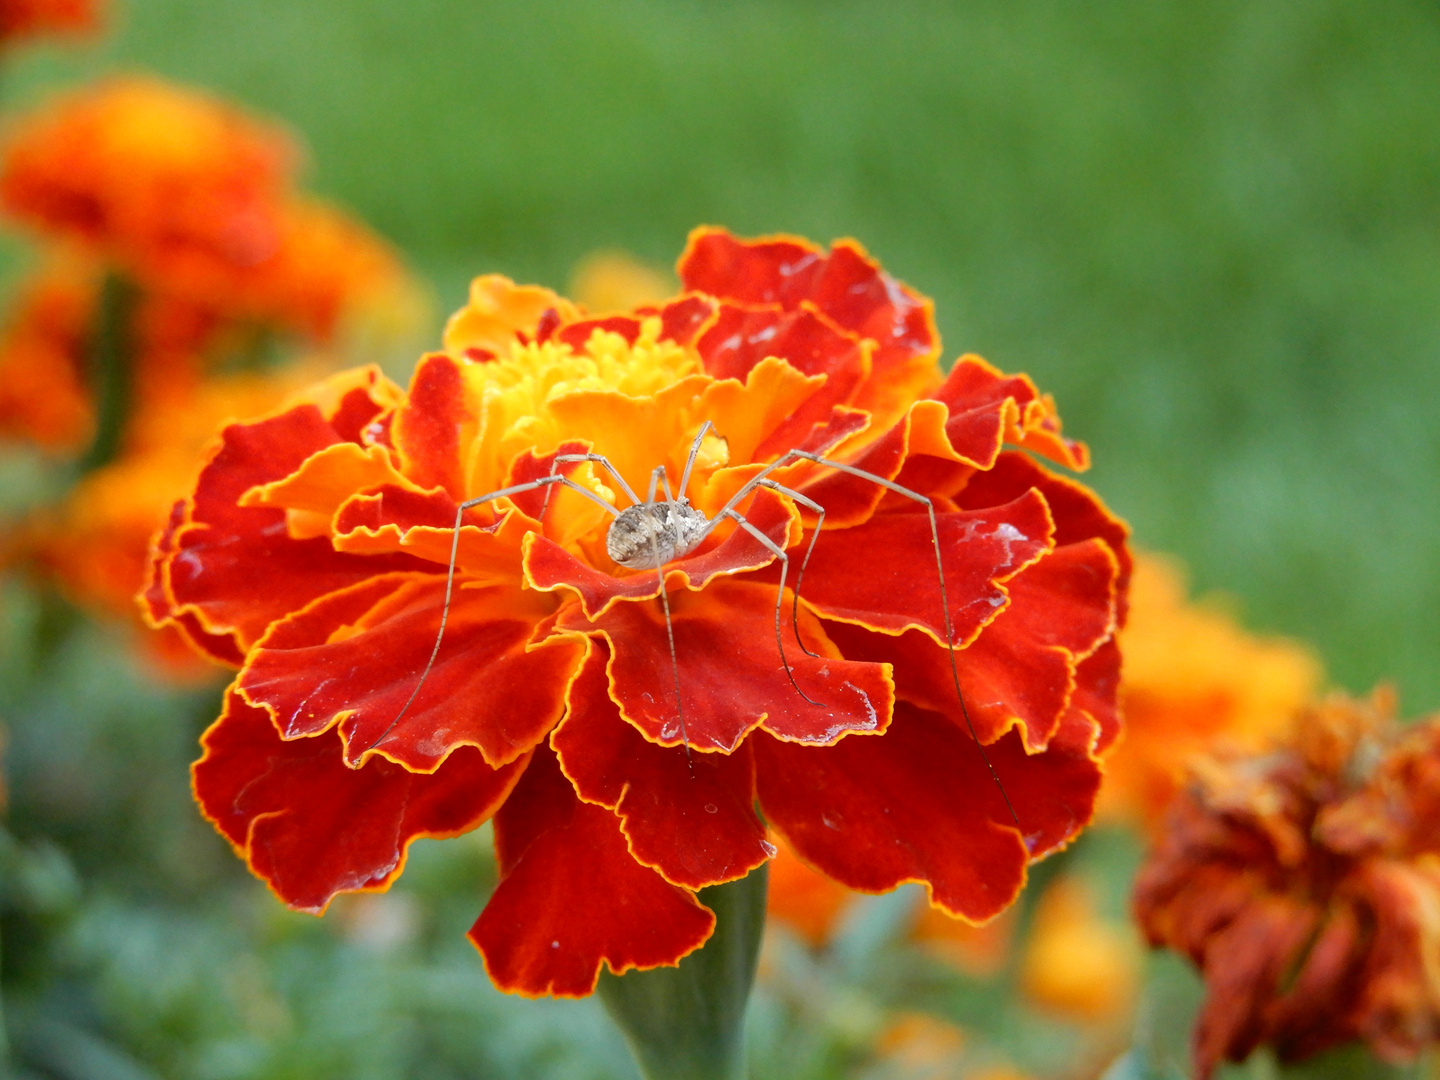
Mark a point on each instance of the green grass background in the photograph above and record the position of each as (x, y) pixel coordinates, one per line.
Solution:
(1211, 227)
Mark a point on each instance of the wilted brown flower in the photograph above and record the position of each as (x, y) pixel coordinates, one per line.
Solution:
(1305, 884)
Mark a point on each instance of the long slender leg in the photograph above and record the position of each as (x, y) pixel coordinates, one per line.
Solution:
(779, 553)
(800, 576)
(601, 459)
(670, 637)
(759, 480)
(518, 489)
(694, 453)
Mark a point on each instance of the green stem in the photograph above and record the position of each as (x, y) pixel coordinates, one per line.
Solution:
(111, 363)
(688, 1022)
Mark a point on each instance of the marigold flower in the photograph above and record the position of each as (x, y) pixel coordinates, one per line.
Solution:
(617, 281)
(169, 184)
(31, 18)
(313, 554)
(1195, 682)
(1305, 885)
(94, 545)
(194, 200)
(804, 899)
(1076, 962)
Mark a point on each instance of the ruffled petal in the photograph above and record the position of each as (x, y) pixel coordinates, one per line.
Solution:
(919, 804)
(1097, 693)
(846, 285)
(730, 672)
(356, 656)
(1023, 668)
(742, 337)
(212, 570)
(310, 826)
(1079, 514)
(978, 394)
(915, 804)
(690, 816)
(437, 421)
(880, 575)
(571, 897)
(324, 481)
(549, 566)
(499, 314)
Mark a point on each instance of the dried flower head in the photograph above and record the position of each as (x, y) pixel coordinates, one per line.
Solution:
(1195, 682)
(1305, 885)
(313, 555)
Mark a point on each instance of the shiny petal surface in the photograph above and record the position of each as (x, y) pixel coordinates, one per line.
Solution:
(879, 575)
(356, 657)
(571, 897)
(310, 826)
(730, 672)
(1023, 668)
(689, 816)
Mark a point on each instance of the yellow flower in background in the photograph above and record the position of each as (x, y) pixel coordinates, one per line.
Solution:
(1194, 681)
(612, 280)
(978, 951)
(1076, 963)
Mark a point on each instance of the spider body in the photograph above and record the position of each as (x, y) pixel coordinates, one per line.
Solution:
(655, 531)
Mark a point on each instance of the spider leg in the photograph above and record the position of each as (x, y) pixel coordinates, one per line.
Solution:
(779, 553)
(694, 453)
(759, 479)
(658, 475)
(518, 489)
(800, 575)
(600, 459)
(670, 637)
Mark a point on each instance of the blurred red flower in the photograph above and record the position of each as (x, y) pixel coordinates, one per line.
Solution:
(1305, 885)
(313, 553)
(21, 19)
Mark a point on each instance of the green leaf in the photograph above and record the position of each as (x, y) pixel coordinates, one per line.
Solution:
(688, 1022)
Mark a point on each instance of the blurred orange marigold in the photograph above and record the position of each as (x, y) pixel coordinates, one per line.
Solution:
(1305, 885)
(1194, 682)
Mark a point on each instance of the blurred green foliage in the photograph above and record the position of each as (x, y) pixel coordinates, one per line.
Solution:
(1212, 228)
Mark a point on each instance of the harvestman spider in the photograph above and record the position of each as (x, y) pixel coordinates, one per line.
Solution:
(647, 535)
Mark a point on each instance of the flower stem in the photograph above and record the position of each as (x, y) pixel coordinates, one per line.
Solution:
(688, 1022)
(112, 354)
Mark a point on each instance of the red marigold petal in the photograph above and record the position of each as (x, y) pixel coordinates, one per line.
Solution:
(978, 394)
(689, 816)
(741, 337)
(1078, 513)
(310, 826)
(577, 334)
(1024, 667)
(1097, 692)
(572, 897)
(731, 676)
(915, 804)
(433, 425)
(548, 566)
(682, 320)
(356, 657)
(847, 285)
(211, 572)
(878, 575)
(919, 804)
